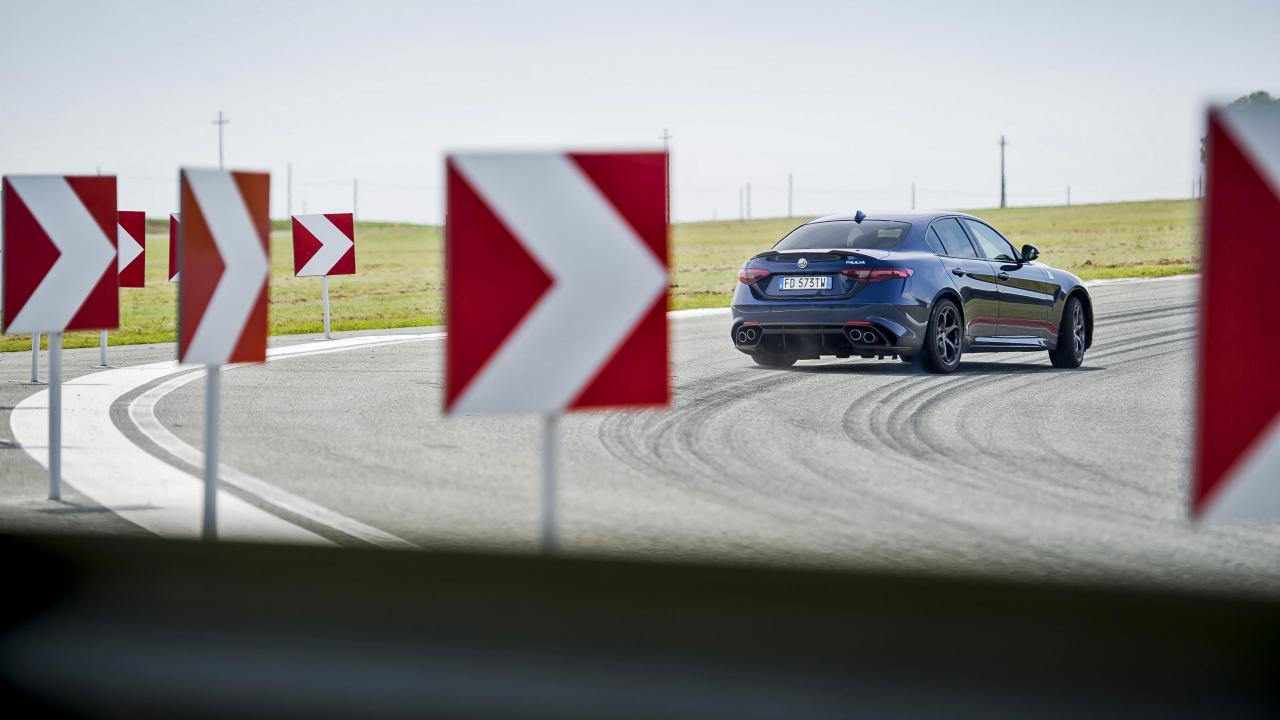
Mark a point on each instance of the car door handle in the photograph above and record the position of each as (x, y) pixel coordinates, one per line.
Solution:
(1003, 276)
(957, 272)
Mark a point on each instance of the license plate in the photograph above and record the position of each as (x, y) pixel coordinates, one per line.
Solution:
(806, 282)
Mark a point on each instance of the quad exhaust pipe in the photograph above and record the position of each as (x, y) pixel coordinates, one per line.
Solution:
(858, 336)
(748, 335)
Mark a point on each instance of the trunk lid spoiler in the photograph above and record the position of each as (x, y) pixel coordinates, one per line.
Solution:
(775, 255)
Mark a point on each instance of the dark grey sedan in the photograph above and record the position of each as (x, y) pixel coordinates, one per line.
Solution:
(923, 287)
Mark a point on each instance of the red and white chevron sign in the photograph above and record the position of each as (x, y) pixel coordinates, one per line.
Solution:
(324, 244)
(59, 254)
(1237, 471)
(131, 232)
(557, 282)
(225, 267)
(175, 227)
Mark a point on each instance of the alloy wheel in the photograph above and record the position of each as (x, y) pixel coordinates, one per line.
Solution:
(1078, 330)
(948, 335)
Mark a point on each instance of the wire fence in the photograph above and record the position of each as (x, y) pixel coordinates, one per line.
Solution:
(423, 203)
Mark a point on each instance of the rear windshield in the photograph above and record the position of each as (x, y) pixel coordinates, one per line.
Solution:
(833, 234)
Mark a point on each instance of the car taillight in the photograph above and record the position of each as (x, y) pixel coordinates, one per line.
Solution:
(878, 274)
(751, 276)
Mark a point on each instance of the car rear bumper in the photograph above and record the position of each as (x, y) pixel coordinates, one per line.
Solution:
(811, 341)
(824, 328)
(813, 332)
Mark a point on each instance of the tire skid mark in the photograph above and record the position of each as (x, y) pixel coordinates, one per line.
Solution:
(1083, 495)
(1066, 495)
(667, 446)
(892, 426)
(1153, 312)
(912, 423)
(764, 461)
(827, 489)
(1134, 510)
(903, 419)
(694, 425)
(794, 473)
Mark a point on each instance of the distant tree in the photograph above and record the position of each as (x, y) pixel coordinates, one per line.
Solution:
(1257, 97)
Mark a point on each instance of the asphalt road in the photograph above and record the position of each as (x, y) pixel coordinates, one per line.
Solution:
(1009, 467)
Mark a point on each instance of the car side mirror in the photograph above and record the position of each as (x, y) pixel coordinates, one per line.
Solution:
(1029, 253)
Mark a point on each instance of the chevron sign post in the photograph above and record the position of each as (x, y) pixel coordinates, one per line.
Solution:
(324, 245)
(557, 288)
(131, 231)
(1237, 470)
(225, 265)
(59, 258)
(175, 224)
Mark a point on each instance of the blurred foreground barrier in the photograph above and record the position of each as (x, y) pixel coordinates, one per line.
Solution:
(135, 628)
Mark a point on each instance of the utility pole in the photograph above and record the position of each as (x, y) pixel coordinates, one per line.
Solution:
(1003, 142)
(913, 196)
(355, 198)
(221, 121)
(1068, 196)
(288, 191)
(791, 192)
(665, 137)
(742, 206)
(748, 201)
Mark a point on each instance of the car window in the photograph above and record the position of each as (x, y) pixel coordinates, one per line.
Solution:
(935, 243)
(834, 234)
(993, 246)
(953, 238)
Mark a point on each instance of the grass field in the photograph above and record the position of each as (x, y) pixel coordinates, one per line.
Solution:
(400, 267)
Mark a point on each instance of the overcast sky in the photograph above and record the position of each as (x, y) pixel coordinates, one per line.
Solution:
(857, 100)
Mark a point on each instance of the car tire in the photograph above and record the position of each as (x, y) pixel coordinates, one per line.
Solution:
(773, 360)
(944, 338)
(1073, 335)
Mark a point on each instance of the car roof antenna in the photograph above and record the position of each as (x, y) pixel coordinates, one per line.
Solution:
(859, 216)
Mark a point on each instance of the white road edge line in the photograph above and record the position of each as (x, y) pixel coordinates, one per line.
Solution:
(1137, 280)
(103, 463)
(142, 411)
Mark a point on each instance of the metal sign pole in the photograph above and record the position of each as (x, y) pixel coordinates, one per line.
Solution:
(35, 357)
(325, 292)
(102, 348)
(550, 450)
(211, 402)
(55, 416)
